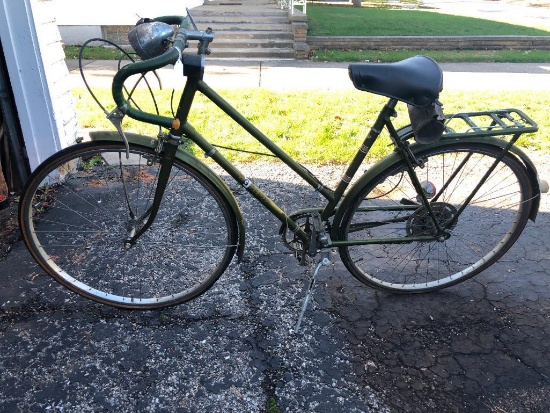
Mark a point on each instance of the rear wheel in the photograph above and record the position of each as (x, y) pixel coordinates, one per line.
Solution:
(388, 207)
(82, 204)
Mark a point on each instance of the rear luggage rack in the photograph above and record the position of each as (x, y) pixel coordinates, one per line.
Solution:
(489, 123)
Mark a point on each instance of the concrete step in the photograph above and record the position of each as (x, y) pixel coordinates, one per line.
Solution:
(247, 29)
(232, 12)
(243, 4)
(241, 19)
(252, 53)
(203, 11)
(252, 34)
(251, 43)
(218, 26)
(257, 3)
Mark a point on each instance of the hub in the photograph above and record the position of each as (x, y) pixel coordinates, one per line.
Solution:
(420, 223)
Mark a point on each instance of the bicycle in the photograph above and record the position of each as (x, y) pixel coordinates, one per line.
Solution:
(138, 222)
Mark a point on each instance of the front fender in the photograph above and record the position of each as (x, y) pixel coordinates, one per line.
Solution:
(194, 163)
(416, 148)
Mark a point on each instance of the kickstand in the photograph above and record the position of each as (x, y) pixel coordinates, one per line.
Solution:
(324, 261)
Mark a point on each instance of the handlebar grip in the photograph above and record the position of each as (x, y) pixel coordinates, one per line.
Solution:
(170, 56)
(177, 20)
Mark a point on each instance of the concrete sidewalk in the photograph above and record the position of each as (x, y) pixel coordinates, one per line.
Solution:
(299, 74)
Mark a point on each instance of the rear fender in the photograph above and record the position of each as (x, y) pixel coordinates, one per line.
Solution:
(415, 148)
(522, 157)
(193, 162)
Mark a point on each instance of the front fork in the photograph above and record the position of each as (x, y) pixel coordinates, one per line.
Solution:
(169, 145)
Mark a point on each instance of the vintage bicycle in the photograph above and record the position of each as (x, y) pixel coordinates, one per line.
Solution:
(138, 222)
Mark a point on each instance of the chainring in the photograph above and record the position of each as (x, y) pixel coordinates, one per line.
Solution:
(304, 221)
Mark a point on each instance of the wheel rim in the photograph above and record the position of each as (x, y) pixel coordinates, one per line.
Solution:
(484, 231)
(81, 221)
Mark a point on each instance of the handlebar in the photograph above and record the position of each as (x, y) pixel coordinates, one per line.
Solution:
(171, 56)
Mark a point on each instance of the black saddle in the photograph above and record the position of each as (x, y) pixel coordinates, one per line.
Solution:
(416, 80)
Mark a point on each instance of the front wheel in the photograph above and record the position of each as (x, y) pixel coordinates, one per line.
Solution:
(388, 207)
(83, 204)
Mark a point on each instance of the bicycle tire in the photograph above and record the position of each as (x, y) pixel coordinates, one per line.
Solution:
(75, 218)
(485, 230)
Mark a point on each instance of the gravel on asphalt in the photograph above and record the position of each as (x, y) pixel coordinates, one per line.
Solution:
(479, 346)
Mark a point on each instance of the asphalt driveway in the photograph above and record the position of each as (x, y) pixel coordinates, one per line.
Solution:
(479, 346)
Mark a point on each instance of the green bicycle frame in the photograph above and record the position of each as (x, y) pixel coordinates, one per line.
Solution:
(180, 127)
(195, 84)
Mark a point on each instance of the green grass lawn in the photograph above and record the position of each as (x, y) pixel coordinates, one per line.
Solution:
(373, 21)
(370, 21)
(509, 56)
(95, 53)
(314, 126)
(447, 56)
(367, 21)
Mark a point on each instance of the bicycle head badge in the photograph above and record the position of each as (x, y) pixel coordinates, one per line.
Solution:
(150, 38)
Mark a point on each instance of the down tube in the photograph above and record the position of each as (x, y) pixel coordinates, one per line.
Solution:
(256, 192)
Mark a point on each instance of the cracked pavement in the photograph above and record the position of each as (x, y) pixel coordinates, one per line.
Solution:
(481, 346)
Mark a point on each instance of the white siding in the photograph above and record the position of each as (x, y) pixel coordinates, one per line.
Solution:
(117, 13)
(56, 71)
(37, 70)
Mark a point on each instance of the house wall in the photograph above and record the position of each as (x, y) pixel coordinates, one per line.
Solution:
(79, 21)
(38, 76)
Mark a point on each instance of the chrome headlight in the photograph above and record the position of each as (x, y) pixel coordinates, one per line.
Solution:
(150, 39)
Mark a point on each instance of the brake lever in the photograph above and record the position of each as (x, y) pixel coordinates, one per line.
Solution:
(115, 117)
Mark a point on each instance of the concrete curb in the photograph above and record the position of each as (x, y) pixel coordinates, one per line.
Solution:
(429, 42)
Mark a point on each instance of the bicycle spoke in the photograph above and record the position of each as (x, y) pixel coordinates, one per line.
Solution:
(80, 236)
(473, 240)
